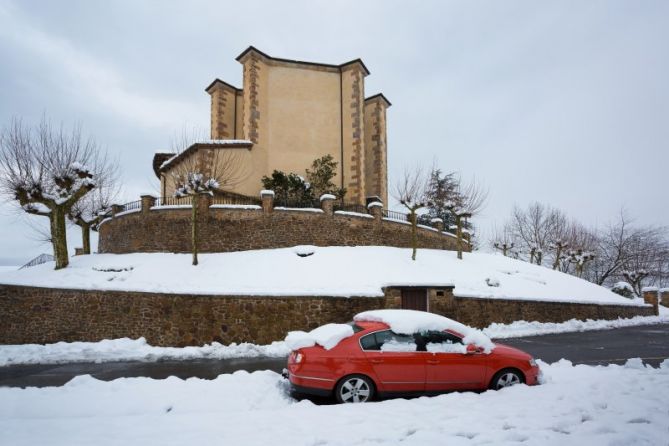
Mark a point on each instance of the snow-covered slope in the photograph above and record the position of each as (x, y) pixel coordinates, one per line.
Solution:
(331, 271)
(578, 405)
(8, 269)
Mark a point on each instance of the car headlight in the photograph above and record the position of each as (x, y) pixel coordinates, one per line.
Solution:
(532, 362)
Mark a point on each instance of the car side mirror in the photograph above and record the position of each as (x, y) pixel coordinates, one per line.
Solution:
(472, 349)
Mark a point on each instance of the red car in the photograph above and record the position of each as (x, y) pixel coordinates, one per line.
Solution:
(375, 361)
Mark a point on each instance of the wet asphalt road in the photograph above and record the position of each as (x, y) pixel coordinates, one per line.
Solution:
(650, 343)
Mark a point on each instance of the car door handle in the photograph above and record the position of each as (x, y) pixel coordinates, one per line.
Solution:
(432, 361)
(376, 361)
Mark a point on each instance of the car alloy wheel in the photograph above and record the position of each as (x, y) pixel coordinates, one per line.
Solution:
(354, 389)
(506, 378)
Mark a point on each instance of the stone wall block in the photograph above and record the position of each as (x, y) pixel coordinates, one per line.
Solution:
(327, 204)
(651, 297)
(148, 201)
(47, 315)
(664, 297)
(376, 209)
(267, 197)
(116, 209)
(203, 201)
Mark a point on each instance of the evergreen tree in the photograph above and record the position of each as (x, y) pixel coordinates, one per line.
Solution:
(320, 176)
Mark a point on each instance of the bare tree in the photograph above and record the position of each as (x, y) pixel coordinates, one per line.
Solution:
(204, 172)
(95, 206)
(503, 240)
(647, 261)
(619, 251)
(535, 228)
(468, 200)
(411, 192)
(44, 170)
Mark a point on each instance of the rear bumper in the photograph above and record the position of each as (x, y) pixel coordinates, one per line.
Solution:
(310, 385)
(310, 390)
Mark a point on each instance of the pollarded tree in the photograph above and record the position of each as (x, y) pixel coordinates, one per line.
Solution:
(95, 206)
(468, 200)
(411, 192)
(44, 170)
(201, 173)
(535, 229)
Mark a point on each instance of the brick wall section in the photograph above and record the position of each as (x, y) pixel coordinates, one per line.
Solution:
(46, 315)
(483, 312)
(225, 230)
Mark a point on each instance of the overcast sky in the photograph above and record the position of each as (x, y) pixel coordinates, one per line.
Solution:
(561, 102)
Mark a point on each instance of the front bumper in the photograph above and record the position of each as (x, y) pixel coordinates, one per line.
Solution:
(534, 377)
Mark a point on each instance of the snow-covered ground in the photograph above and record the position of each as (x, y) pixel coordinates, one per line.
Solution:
(126, 349)
(283, 272)
(523, 328)
(139, 350)
(577, 405)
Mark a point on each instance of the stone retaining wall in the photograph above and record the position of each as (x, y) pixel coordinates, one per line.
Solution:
(168, 229)
(47, 315)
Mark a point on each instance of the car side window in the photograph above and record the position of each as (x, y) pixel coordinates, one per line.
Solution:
(388, 341)
(442, 342)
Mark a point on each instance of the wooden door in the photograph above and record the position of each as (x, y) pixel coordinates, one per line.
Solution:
(414, 299)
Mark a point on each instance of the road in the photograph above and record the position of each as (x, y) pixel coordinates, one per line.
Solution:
(650, 343)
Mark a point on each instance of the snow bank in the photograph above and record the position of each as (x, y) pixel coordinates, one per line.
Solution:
(126, 349)
(410, 321)
(285, 274)
(575, 405)
(524, 328)
(138, 350)
(327, 336)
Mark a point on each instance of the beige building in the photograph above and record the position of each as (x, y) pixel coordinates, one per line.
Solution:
(287, 114)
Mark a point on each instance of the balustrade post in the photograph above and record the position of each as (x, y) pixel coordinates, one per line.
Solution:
(148, 201)
(327, 203)
(267, 197)
(376, 209)
(650, 296)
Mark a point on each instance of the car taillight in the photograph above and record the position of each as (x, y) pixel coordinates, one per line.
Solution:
(296, 357)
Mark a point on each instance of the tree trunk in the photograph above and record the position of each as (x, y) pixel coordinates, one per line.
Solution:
(458, 233)
(194, 226)
(59, 237)
(540, 257)
(414, 238)
(558, 253)
(86, 237)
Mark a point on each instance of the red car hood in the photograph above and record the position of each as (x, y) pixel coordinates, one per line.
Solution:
(510, 352)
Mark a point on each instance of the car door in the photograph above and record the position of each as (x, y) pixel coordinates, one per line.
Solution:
(396, 363)
(448, 364)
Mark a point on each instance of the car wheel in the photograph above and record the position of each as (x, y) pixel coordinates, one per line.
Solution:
(506, 378)
(354, 389)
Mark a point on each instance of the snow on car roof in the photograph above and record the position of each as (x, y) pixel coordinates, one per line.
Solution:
(327, 336)
(412, 321)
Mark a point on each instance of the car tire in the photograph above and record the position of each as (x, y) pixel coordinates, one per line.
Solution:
(506, 378)
(354, 389)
